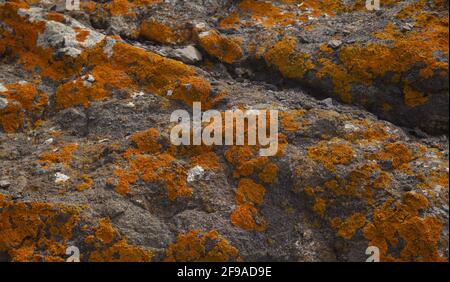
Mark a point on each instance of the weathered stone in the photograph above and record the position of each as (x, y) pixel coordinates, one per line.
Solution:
(89, 150)
(188, 55)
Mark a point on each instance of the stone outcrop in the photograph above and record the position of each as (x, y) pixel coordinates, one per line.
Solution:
(363, 144)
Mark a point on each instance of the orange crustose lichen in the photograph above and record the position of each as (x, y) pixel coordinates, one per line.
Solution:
(399, 224)
(198, 246)
(63, 155)
(247, 217)
(24, 100)
(287, 60)
(148, 163)
(163, 33)
(220, 46)
(331, 154)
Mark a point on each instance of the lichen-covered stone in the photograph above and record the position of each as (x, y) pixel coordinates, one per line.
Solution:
(86, 99)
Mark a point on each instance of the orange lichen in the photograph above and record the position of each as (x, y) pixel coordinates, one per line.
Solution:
(80, 92)
(105, 233)
(160, 75)
(320, 7)
(357, 64)
(269, 173)
(63, 155)
(121, 251)
(119, 7)
(125, 7)
(320, 206)
(86, 184)
(289, 119)
(124, 180)
(164, 33)
(383, 181)
(287, 60)
(35, 231)
(247, 217)
(331, 154)
(433, 179)
(414, 98)
(27, 95)
(160, 169)
(376, 132)
(220, 46)
(147, 162)
(341, 79)
(134, 67)
(207, 160)
(246, 162)
(109, 247)
(347, 228)
(193, 247)
(147, 141)
(23, 39)
(24, 100)
(57, 17)
(397, 153)
(250, 192)
(232, 21)
(88, 6)
(82, 34)
(11, 118)
(398, 225)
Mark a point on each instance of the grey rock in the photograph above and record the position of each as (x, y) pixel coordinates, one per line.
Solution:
(4, 184)
(188, 55)
(3, 88)
(3, 103)
(407, 27)
(335, 44)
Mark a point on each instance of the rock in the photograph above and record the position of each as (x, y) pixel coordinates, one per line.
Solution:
(327, 102)
(136, 95)
(195, 173)
(335, 44)
(407, 27)
(73, 119)
(61, 178)
(90, 78)
(48, 141)
(4, 184)
(3, 103)
(188, 55)
(3, 88)
(344, 177)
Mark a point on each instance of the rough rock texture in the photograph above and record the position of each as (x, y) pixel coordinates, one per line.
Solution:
(85, 102)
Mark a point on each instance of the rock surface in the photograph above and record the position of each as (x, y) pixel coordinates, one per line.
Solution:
(363, 144)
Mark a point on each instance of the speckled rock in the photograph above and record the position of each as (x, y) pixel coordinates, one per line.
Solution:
(355, 166)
